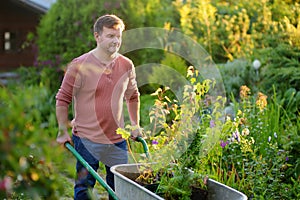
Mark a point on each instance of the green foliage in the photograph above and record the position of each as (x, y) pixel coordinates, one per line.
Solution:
(236, 29)
(28, 75)
(235, 74)
(197, 20)
(48, 77)
(291, 102)
(228, 30)
(281, 73)
(224, 35)
(171, 69)
(264, 164)
(66, 30)
(258, 158)
(253, 152)
(26, 151)
(179, 186)
(232, 35)
(146, 102)
(282, 69)
(178, 140)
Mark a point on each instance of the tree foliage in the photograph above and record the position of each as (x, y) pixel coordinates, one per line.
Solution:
(228, 30)
(66, 31)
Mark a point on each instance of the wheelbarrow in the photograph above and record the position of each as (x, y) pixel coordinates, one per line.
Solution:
(94, 173)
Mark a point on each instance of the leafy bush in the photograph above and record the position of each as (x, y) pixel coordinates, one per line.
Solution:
(172, 69)
(281, 69)
(146, 102)
(48, 77)
(235, 74)
(27, 128)
(64, 34)
(281, 72)
(231, 30)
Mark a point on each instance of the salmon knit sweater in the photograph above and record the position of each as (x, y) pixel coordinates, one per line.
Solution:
(98, 92)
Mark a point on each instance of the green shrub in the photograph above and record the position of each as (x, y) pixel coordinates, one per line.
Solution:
(146, 102)
(171, 73)
(66, 31)
(281, 69)
(47, 77)
(280, 72)
(27, 158)
(234, 74)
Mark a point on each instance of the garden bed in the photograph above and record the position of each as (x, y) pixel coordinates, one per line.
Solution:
(127, 188)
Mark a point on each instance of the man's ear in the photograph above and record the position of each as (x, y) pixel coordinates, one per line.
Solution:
(96, 35)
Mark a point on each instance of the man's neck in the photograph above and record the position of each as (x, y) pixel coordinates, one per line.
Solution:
(103, 57)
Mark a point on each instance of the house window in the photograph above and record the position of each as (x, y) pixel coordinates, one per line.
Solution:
(7, 45)
(9, 41)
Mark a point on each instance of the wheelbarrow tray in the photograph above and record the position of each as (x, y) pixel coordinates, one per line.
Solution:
(127, 189)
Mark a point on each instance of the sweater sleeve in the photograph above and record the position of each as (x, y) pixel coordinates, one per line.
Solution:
(71, 82)
(132, 93)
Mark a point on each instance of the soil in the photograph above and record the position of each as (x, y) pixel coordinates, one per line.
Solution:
(199, 194)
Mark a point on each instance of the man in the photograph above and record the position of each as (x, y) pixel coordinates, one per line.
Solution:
(98, 82)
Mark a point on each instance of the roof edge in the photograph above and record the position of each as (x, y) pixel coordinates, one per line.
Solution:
(32, 5)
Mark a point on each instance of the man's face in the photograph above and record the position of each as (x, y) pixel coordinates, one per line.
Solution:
(110, 40)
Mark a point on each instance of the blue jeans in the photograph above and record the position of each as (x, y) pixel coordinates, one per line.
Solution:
(84, 180)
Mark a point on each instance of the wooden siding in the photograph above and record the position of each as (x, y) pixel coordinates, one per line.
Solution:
(19, 20)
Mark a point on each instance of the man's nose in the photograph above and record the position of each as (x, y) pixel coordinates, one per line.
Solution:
(116, 40)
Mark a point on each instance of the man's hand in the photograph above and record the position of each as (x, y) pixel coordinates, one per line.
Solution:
(63, 137)
(136, 133)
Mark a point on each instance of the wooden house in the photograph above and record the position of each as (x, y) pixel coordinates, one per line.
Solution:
(17, 19)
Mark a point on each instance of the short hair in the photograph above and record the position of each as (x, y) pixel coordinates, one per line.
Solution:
(108, 21)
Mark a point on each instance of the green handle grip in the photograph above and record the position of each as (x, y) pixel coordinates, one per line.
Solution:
(145, 146)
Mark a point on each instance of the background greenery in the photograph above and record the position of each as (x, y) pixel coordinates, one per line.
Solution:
(234, 33)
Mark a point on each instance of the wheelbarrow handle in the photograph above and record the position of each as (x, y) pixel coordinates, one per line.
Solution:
(91, 170)
(145, 146)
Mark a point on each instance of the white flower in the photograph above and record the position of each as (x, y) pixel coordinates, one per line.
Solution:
(256, 64)
(245, 131)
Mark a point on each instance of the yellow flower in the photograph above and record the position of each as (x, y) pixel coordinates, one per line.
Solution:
(244, 92)
(190, 71)
(246, 145)
(239, 112)
(125, 134)
(29, 127)
(261, 101)
(34, 176)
